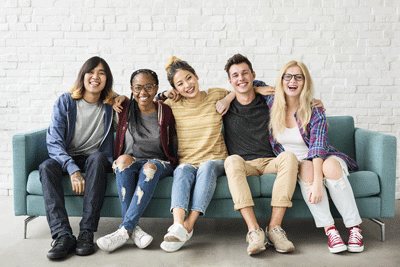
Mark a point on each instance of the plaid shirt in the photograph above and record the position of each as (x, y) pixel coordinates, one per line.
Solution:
(316, 138)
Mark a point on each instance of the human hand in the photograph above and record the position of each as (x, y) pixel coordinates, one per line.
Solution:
(316, 193)
(78, 183)
(265, 90)
(317, 103)
(117, 106)
(173, 94)
(222, 106)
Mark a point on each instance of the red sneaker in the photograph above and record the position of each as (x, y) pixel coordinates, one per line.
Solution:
(335, 242)
(355, 240)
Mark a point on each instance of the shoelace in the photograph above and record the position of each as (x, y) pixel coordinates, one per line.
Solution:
(281, 233)
(334, 237)
(139, 232)
(115, 237)
(85, 236)
(254, 236)
(59, 240)
(355, 236)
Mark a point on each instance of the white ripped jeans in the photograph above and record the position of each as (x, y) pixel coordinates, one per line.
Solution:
(342, 196)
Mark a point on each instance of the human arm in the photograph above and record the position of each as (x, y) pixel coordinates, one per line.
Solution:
(315, 193)
(78, 183)
(222, 105)
(318, 104)
(169, 94)
(117, 106)
(265, 90)
(59, 134)
(317, 137)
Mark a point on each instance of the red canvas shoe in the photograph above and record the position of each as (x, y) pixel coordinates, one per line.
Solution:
(355, 240)
(335, 242)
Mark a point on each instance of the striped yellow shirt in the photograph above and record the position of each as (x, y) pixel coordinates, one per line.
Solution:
(199, 128)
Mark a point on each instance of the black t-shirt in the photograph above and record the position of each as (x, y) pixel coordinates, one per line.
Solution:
(246, 129)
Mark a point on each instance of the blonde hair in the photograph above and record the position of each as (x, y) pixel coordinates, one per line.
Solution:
(173, 65)
(279, 108)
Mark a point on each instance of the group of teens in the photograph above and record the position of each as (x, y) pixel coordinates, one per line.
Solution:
(285, 133)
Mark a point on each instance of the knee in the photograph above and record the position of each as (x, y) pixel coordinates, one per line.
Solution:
(332, 169)
(149, 165)
(233, 160)
(46, 164)
(290, 159)
(123, 162)
(47, 167)
(149, 170)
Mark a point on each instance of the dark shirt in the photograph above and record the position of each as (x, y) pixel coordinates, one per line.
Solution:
(246, 129)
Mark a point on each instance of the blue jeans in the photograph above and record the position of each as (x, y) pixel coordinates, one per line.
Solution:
(136, 187)
(95, 167)
(204, 181)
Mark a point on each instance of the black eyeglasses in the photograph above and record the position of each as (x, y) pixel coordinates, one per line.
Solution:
(297, 77)
(138, 88)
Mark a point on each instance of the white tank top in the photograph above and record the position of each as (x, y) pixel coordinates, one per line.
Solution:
(292, 141)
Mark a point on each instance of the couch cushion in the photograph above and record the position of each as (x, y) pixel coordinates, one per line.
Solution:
(163, 189)
(363, 183)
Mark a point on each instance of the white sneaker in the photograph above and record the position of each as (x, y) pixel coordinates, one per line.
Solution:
(141, 238)
(176, 233)
(114, 240)
(174, 246)
(256, 239)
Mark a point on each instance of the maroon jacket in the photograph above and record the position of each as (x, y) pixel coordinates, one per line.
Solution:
(166, 122)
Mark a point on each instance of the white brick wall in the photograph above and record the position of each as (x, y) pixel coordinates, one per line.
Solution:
(352, 49)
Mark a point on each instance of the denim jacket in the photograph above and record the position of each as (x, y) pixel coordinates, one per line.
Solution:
(61, 130)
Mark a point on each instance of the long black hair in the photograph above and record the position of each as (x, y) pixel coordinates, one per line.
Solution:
(78, 89)
(133, 109)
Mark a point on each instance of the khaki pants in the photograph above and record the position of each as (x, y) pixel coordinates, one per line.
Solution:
(237, 170)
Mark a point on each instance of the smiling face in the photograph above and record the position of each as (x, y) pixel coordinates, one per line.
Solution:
(187, 84)
(241, 78)
(148, 89)
(94, 81)
(293, 87)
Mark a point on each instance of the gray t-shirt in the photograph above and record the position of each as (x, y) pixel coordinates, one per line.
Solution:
(89, 128)
(146, 147)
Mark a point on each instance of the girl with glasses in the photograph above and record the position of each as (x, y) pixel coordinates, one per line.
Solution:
(298, 127)
(144, 151)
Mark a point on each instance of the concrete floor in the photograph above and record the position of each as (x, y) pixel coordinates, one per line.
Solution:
(216, 242)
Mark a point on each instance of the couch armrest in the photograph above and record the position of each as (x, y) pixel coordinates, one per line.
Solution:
(377, 152)
(29, 151)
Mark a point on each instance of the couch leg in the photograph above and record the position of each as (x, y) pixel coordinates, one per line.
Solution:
(382, 224)
(26, 221)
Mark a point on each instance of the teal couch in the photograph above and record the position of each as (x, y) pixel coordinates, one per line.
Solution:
(373, 185)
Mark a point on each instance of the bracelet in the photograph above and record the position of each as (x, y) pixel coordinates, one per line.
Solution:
(163, 95)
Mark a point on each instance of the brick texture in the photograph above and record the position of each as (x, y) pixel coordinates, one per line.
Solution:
(352, 49)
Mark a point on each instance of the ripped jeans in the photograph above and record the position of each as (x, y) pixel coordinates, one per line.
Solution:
(342, 196)
(203, 180)
(136, 187)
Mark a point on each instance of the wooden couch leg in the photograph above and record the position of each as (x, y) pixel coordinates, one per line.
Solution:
(26, 221)
(382, 224)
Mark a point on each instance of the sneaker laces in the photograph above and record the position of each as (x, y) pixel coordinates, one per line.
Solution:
(355, 236)
(116, 237)
(60, 239)
(139, 232)
(85, 235)
(280, 233)
(254, 236)
(334, 237)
